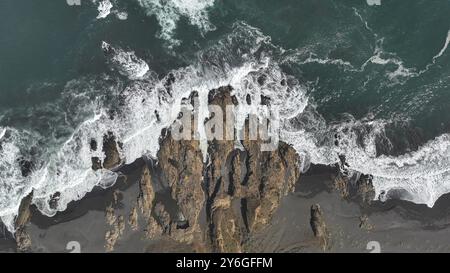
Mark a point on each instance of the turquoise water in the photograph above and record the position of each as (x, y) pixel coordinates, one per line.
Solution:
(376, 76)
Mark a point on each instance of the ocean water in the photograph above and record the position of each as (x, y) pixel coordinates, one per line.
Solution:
(368, 80)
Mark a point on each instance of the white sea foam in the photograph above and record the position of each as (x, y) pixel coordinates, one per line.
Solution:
(126, 62)
(13, 186)
(444, 48)
(2, 132)
(104, 8)
(373, 2)
(69, 171)
(382, 57)
(169, 12)
(122, 15)
(439, 54)
(421, 176)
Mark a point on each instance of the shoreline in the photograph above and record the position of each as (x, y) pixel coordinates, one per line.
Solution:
(222, 205)
(314, 186)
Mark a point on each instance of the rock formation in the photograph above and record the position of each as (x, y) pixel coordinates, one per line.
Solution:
(223, 200)
(319, 226)
(147, 194)
(133, 218)
(359, 189)
(364, 223)
(114, 234)
(110, 149)
(23, 240)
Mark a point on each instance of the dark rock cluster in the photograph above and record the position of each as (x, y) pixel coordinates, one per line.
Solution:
(223, 200)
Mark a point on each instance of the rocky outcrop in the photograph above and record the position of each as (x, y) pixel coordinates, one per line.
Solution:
(133, 218)
(110, 150)
(23, 240)
(245, 185)
(148, 210)
(181, 163)
(222, 201)
(146, 193)
(116, 224)
(162, 217)
(340, 184)
(153, 229)
(365, 191)
(319, 226)
(359, 189)
(24, 212)
(110, 216)
(364, 223)
(114, 234)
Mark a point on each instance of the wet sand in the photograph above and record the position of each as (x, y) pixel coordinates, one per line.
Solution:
(397, 226)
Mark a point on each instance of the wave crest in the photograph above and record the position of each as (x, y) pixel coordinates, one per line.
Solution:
(169, 12)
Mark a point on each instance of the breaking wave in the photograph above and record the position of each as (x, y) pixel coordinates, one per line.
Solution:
(126, 63)
(104, 9)
(168, 14)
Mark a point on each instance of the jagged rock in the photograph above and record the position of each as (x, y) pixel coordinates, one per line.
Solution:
(133, 218)
(153, 229)
(252, 179)
(54, 199)
(117, 227)
(318, 226)
(145, 204)
(147, 194)
(112, 156)
(110, 215)
(181, 163)
(163, 217)
(23, 240)
(111, 151)
(238, 189)
(111, 238)
(96, 163)
(360, 190)
(341, 186)
(273, 177)
(24, 214)
(120, 224)
(114, 234)
(365, 190)
(228, 232)
(364, 223)
(116, 197)
(222, 203)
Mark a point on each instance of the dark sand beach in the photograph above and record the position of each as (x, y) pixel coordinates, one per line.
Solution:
(398, 226)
